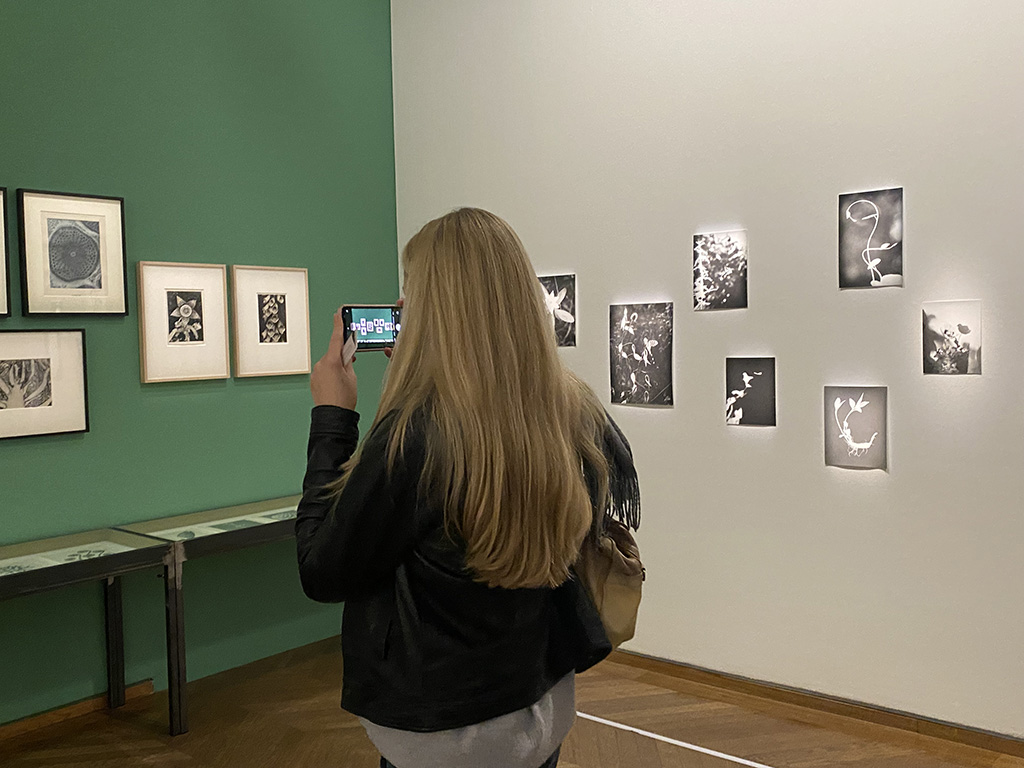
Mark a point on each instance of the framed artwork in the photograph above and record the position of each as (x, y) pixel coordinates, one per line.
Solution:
(183, 321)
(42, 383)
(271, 309)
(720, 270)
(856, 427)
(871, 239)
(951, 337)
(5, 265)
(750, 391)
(560, 300)
(640, 351)
(72, 254)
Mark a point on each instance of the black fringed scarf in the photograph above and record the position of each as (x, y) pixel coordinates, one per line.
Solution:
(623, 486)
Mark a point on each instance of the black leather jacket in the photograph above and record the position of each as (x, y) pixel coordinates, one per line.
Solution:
(425, 647)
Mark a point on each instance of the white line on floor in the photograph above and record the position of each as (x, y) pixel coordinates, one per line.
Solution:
(683, 744)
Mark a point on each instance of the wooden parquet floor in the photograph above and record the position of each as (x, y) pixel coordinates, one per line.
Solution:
(283, 712)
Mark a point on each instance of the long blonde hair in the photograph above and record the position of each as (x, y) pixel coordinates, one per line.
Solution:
(511, 426)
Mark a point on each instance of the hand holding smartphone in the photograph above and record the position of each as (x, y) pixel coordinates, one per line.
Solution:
(372, 326)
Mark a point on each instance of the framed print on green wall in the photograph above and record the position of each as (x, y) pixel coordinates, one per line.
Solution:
(72, 254)
(42, 383)
(5, 266)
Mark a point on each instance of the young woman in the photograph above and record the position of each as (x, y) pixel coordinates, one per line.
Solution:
(450, 532)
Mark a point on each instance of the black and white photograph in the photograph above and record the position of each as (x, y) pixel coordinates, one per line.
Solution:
(183, 321)
(951, 337)
(720, 270)
(560, 299)
(25, 383)
(184, 317)
(641, 353)
(234, 525)
(871, 239)
(750, 391)
(13, 565)
(73, 258)
(5, 264)
(42, 383)
(84, 552)
(73, 248)
(856, 424)
(273, 318)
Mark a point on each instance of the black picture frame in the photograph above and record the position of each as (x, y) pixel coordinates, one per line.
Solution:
(84, 389)
(5, 268)
(116, 303)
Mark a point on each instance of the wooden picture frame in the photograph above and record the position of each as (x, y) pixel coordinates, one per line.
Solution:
(43, 383)
(271, 320)
(73, 259)
(183, 321)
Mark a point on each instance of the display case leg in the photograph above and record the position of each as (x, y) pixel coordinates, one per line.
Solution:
(113, 604)
(177, 694)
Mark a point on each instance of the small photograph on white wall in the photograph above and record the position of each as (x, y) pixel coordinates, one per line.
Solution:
(560, 298)
(641, 353)
(720, 270)
(951, 335)
(871, 239)
(750, 391)
(856, 421)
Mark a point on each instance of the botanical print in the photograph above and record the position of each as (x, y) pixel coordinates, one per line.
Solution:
(855, 427)
(750, 391)
(84, 552)
(951, 336)
(871, 239)
(560, 298)
(641, 353)
(25, 384)
(15, 565)
(73, 251)
(273, 319)
(285, 514)
(720, 270)
(184, 317)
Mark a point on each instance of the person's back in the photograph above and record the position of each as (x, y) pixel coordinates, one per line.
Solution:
(451, 532)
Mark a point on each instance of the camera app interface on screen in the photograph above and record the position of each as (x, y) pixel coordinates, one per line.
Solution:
(374, 324)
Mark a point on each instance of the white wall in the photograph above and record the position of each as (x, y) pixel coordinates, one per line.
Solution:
(608, 132)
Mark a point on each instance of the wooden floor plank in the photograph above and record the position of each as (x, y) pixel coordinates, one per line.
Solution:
(283, 712)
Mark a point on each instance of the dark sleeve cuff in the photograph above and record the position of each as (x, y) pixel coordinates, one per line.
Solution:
(333, 419)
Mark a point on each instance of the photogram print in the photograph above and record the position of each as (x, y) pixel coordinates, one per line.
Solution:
(750, 391)
(855, 427)
(25, 384)
(287, 514)
(720, 270)
(73, 250)
(273, 318)
(184, 317)
(951, 335)
(871, 239)
(234, 525)
(560, 298)
(641, 353)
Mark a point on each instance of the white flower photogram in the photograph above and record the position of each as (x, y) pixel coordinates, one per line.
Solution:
(855, 427)
(720, 270)
(734, 414)
(870, 239)
(854, 447)
(951, 337)
(641, 353)
(560, 300)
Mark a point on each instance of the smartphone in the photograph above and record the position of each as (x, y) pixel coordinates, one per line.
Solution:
(376, 325)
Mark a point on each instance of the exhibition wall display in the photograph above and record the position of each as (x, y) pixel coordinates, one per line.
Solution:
(623, 129)
(268, 143)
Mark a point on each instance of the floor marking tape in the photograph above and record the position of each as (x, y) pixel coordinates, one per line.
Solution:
(667, 740)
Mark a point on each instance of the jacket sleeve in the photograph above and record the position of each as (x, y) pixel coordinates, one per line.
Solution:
(350, 549)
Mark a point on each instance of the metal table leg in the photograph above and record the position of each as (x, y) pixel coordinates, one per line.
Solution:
(175, 611)
(115, 641)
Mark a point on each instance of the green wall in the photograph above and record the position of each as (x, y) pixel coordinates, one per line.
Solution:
(238, 132)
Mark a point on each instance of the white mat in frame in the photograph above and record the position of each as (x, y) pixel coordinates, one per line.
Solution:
(183, 321)
(271, 320)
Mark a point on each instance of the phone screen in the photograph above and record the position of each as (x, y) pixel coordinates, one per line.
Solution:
(376, 326)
